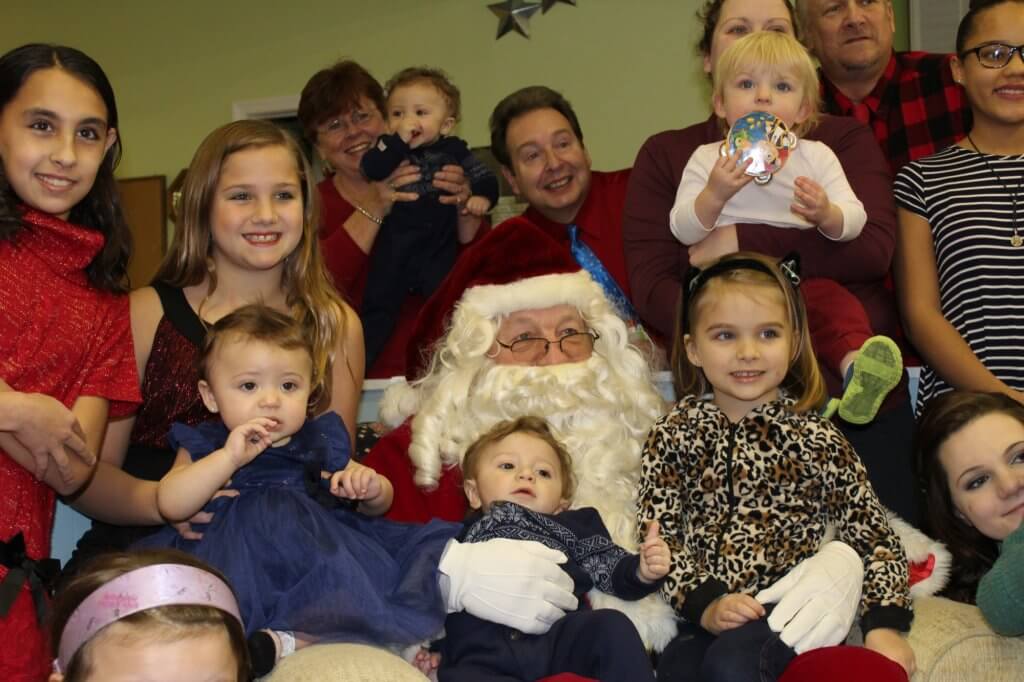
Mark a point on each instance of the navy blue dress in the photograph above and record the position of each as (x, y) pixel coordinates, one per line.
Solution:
(298, 560)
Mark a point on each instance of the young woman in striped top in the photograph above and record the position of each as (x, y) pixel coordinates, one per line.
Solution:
(960, 257)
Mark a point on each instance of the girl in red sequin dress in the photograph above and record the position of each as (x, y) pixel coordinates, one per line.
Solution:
(66, 359)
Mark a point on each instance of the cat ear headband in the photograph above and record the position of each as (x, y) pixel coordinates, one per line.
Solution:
(144, 588)
(697, 278)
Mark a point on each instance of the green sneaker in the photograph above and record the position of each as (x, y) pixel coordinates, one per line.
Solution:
(831, 407)
(876, 371)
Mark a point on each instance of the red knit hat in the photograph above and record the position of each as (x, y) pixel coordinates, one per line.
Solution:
(516, 266)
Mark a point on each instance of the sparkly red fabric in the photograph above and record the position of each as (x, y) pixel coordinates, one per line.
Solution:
(61, 337)
(170, 388)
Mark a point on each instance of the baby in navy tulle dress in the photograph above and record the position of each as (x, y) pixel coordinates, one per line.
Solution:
(298, 542)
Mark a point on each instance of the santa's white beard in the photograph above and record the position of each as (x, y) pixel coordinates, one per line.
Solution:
(596, 416)
(591, 421)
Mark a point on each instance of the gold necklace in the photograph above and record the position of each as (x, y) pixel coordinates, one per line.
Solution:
(1016, 240)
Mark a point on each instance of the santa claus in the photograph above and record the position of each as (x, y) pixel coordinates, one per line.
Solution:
(528, 333)
(519, 329)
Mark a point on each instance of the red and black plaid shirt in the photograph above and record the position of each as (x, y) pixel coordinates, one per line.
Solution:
(915, 109)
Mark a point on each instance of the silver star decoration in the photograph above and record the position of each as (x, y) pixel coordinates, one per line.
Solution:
(548, 4)
(514, 15)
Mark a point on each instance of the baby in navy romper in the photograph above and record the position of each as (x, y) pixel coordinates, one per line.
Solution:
(518, 478)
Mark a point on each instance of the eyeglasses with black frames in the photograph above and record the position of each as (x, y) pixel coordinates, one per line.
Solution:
(995, 55)
(574, 345)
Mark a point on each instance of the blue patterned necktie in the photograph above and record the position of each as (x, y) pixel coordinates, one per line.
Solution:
(589, 261)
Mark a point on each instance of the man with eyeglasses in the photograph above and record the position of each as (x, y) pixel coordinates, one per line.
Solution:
(908, 99)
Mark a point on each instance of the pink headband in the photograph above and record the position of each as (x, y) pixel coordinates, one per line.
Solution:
(144, 588)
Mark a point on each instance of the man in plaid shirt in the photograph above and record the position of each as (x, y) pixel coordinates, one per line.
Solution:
(908, 99)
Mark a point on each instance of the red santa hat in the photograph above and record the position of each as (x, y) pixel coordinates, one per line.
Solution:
(516, 266)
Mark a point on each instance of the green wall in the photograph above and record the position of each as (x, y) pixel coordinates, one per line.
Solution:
(902, 41)
(628, 67)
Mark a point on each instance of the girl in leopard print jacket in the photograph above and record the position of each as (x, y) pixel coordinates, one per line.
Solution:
(745, 482)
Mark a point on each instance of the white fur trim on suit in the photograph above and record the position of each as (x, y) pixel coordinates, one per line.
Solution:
(544, 291)
(399, 402)
(919, 547)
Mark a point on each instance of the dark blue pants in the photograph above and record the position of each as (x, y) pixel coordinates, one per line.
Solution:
(749, 653)
(886, 446)
(602, 644)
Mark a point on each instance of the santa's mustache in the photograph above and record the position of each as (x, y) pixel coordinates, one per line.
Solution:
(512, 391)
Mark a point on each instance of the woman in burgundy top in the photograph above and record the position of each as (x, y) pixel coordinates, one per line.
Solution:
(342, 113)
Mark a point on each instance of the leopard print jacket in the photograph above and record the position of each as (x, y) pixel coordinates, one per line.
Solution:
(741, 504)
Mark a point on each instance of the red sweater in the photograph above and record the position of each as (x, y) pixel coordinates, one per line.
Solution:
(61, 337)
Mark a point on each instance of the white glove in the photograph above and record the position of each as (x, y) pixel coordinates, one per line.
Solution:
(516, 583)
(818, 599)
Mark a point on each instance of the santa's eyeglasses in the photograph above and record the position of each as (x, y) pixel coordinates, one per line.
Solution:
(573, 345)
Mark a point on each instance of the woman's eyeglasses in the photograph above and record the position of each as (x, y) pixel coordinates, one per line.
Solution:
(340, 125)
(573, 345)
(995, 55)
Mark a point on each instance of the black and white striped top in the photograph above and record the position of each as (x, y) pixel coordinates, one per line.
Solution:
(981, 275)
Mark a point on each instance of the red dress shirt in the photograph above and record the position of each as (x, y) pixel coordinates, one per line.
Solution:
(599, 220)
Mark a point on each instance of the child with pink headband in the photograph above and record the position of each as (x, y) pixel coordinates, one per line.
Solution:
(159, 613)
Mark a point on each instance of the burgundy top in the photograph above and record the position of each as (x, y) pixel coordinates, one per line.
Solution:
(169, 390)
(657, 261)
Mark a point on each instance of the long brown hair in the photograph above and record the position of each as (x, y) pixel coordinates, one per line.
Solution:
(803, 380)
(308, 291)
(944, 415)
(174, 621)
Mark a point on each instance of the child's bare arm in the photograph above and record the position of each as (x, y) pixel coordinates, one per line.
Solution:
(893, 645)
(359, 482)
(43, 436)
(190, 485)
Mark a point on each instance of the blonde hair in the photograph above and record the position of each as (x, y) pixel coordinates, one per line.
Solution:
(803, 381)
(537, 427)
(774, 51)
(308, 290)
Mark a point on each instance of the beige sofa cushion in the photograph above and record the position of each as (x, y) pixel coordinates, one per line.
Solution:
(344, 663)
(952, 643)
